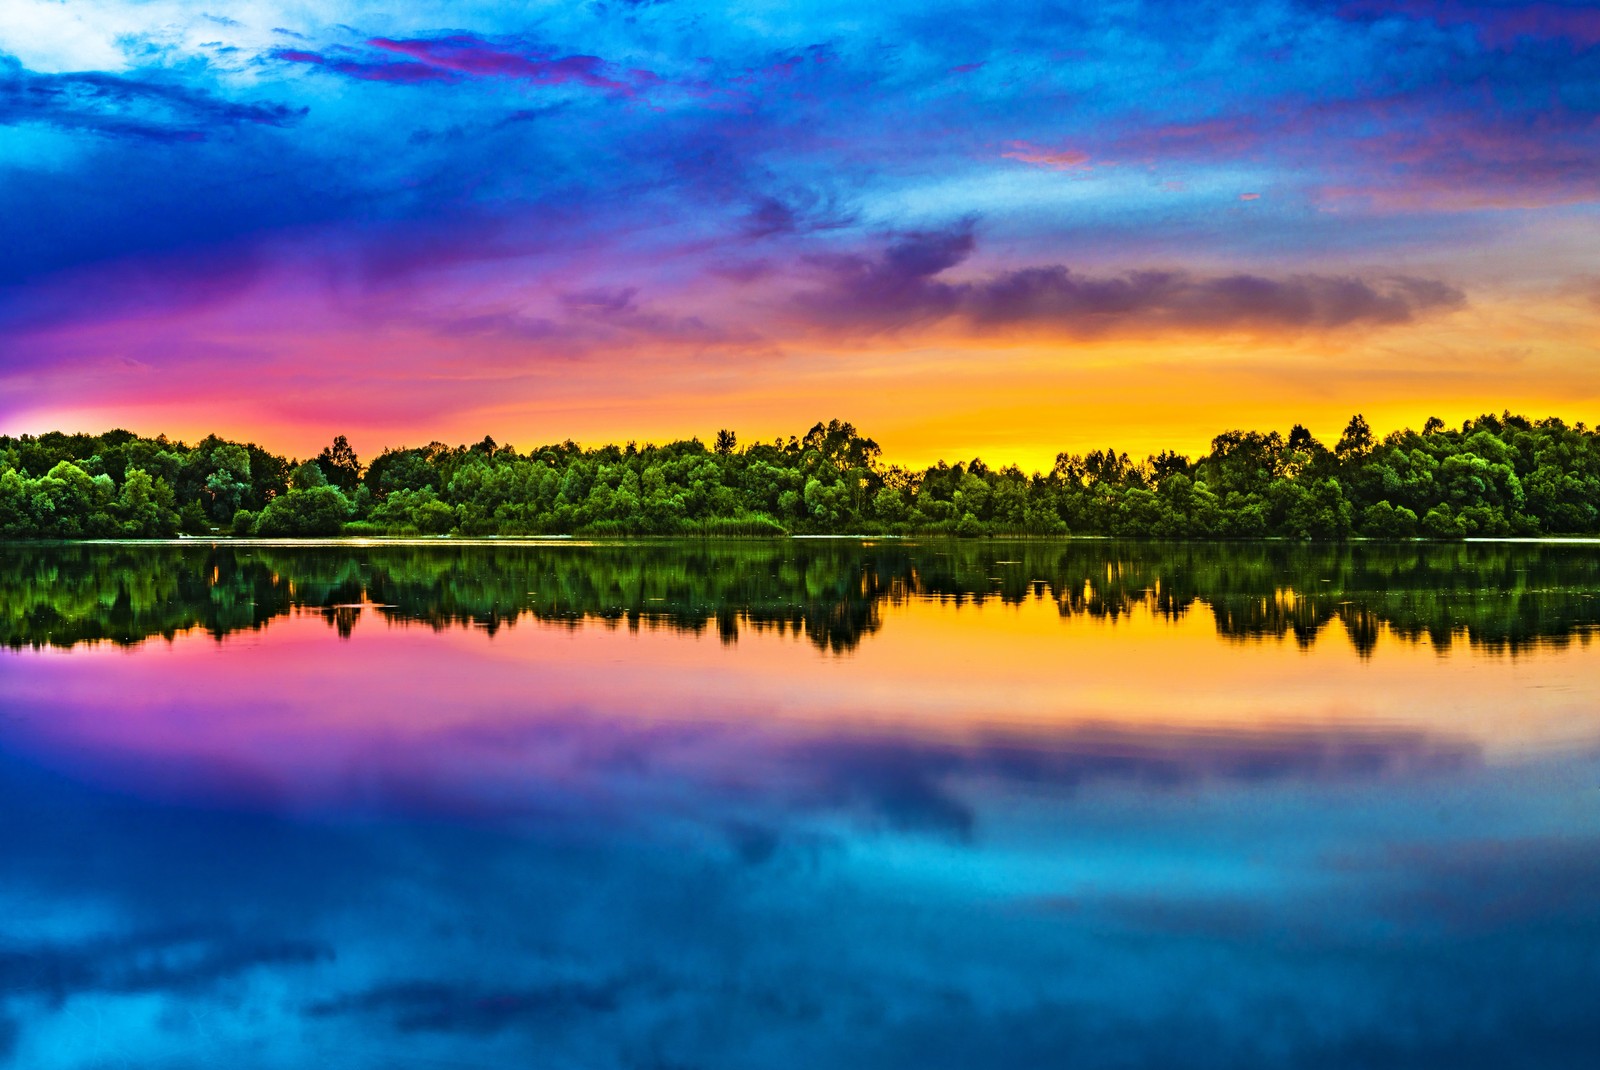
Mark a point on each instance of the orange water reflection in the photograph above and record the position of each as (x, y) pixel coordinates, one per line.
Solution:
(294, 707)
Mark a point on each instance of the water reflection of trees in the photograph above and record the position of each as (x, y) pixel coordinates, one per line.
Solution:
(1498, 596)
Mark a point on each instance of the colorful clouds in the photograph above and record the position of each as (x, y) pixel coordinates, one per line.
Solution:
(458, 56)
(738, 201)
(1038, 155)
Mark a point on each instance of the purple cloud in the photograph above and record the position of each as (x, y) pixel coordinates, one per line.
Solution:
(458, 57)
(901, 287)
(371, 71)
(619, 309)
(471, 55)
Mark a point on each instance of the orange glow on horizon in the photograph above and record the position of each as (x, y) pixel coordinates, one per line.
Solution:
(941, 394)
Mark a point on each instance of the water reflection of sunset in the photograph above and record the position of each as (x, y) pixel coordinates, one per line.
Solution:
(1164, 698)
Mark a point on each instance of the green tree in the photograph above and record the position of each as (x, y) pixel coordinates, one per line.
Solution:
(313, 511)
(1384, 521)
(307, 476)
(227, 488)
(144, 507)
(342, 468)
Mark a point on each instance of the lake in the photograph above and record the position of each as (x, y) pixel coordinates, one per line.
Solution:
(800, 804)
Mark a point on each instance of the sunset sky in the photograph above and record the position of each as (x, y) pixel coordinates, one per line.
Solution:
(968, 228)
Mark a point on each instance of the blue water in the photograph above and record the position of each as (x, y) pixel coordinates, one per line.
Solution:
(842, 807)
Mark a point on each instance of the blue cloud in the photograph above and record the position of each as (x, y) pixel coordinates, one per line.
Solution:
(150, 108)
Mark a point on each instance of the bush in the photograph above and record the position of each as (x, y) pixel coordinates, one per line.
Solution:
(414, 511)
(192, 520)
(434, 518)
(317, 511)
(968, 527)
(760, 525)
(244, 523)
(1384, 521)
(1441, 523)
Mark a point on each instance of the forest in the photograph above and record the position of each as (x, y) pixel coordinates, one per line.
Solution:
(1492, 476)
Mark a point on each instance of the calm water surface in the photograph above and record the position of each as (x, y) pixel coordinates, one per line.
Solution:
(800, 804)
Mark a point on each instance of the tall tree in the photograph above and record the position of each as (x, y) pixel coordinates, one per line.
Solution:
(340, 464)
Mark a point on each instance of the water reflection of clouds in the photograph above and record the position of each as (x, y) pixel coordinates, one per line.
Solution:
(585, 848)
(500, 762)
(1048, 936)
(913, 784)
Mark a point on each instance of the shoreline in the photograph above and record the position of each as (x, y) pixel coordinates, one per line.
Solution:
(581, 540)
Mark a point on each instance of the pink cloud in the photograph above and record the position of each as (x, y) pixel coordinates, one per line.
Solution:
(451, 59)
(469, 55)
(384, 71)
(1041, 156)
(1228, 135)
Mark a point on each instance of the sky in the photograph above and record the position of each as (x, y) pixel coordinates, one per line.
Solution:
(968, 230)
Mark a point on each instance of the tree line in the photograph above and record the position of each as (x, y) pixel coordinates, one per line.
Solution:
(1494, 475)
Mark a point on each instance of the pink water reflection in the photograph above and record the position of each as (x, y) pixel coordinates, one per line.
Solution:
(540, 714)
